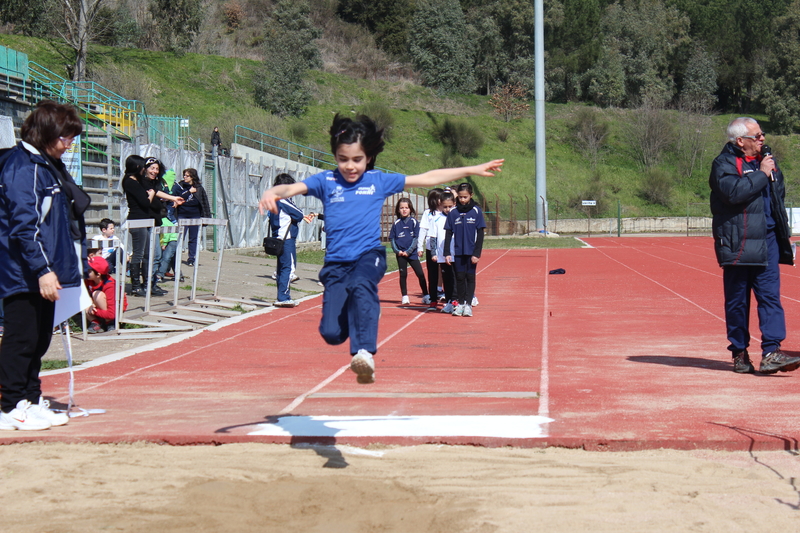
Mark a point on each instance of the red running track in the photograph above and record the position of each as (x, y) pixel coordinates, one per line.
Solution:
(625, 351)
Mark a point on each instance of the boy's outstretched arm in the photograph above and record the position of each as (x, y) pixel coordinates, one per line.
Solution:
(443, 175)
(269, 200)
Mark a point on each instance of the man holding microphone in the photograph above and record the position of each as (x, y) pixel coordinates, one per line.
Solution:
(751, 237)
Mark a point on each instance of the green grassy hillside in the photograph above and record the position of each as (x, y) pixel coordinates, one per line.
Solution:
(216, 91)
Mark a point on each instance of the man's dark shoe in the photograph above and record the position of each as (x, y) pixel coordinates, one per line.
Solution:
(778, 361)
(155, 290)
(742, 364)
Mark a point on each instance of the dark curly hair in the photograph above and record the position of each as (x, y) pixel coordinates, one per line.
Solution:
(362, 130)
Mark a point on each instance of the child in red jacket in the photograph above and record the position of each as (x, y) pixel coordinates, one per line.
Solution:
(102, 288)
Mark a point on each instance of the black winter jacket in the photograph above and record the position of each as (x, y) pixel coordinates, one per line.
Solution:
(739, 223)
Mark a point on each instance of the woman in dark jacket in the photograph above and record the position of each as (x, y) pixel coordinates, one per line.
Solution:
(142, 205)
(195, 205)
(43, 249)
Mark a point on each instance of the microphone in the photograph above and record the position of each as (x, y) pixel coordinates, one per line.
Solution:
(765, 152)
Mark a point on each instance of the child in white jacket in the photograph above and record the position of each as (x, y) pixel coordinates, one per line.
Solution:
(436, 235)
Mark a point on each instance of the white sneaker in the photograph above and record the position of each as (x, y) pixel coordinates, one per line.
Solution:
(275, 276)
(448, 308)
(364, 367)
(459, 310)
(286, 303)
(405, 301)
(20, 418)
(42, 411)
(426, 300)
(294, 278)
(467, 310)
(474, 301)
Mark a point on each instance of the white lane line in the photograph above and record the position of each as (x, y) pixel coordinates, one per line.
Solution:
(300, 399)
(684, 298)
(510, 427)
(544, 377)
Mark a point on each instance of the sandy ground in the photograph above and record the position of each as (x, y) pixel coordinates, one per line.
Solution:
(255, 487)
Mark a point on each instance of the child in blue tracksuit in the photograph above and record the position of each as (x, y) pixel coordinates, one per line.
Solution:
(353, 195)
(464, 228)
(283, 225)
(403, 237)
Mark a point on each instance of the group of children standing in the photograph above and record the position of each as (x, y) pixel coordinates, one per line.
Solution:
(450, 237)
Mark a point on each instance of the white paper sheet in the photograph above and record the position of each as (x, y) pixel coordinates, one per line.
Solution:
(71, 301)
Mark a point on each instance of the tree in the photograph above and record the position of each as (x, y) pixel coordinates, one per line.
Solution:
(290, 49)
(778, 85)
(737, 33)
(571, 38)
(177, 21)
(607, 78)
(699, 83)
(387, 19)
(79, 29)
(489, 57)
(645, 36)
(29, 17)
(439, 48)
(508, 101)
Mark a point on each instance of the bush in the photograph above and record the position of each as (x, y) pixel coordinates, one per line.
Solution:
(451, 159)
(651, 132)
(590, 132)
(298, 131)
(657, 187)
(460, 137)
(595, 190)
(502, 135)
(381, 114)
(234, 14)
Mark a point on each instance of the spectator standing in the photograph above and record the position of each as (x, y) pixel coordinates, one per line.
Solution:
(43, 249)
(216, 142)
(283, 225)
(751, 238)
(195, 205)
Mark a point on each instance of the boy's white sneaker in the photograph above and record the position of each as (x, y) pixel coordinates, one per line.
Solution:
(20, 418)
(459, 310)
(286, 303)
(474, 301)
(448, 308)
(42, 411)
(364, 367)
(405, 301)
(426, 300)
(467, 311)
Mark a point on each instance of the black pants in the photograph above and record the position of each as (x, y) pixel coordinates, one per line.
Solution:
(464, 270)
(26, 338)
(402, 264)
(433, 276)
